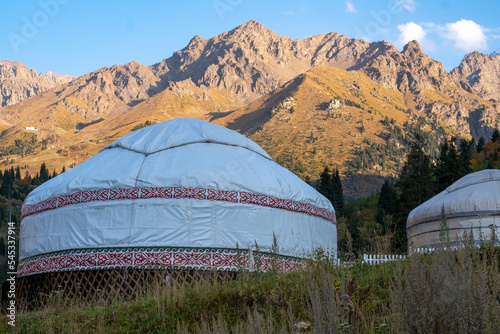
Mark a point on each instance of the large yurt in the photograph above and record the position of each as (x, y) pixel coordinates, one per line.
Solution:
(472, 205)
(175, 196)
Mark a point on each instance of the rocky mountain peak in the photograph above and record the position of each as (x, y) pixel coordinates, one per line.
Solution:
(479, 74)
(196, 42)
(412, 48)
(18, 83)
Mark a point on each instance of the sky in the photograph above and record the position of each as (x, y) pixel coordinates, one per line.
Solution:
(77, 37)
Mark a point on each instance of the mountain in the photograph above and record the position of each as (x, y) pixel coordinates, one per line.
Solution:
(17, 82)
(479, 73)
(325, 99)
(495, 53)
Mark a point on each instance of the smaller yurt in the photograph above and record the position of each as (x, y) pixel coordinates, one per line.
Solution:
(181, 195)
(471, 204)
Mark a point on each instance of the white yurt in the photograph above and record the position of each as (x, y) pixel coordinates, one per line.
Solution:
(471, 204)
(182, 194)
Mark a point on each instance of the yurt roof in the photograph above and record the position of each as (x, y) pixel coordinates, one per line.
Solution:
(135, 161)
(180, 132)
(476, 194)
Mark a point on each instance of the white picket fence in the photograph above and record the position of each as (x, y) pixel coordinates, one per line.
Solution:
(372, 259)
(381, 258)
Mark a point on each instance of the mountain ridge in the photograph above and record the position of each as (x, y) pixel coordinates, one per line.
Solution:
(244, 79)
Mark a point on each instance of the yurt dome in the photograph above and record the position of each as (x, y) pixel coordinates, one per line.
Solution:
(179, 194)
(471, 204)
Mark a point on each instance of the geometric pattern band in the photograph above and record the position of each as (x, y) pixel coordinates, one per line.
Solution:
(157, 258)
(177, 193)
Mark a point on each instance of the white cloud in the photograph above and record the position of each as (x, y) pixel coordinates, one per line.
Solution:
(466, 35)
(410, 31)
(349, 7)
(289, 13)
(409, 5)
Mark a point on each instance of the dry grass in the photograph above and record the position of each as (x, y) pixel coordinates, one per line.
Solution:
(445, 292)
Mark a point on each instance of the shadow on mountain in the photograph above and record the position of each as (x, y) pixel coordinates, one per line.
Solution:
(80, 126)
(219, 114)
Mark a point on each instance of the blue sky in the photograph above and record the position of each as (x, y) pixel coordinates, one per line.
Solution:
(76, 37)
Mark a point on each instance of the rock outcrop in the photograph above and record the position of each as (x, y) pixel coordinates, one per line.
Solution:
(18, 83)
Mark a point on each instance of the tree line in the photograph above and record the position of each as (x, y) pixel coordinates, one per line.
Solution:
(378, 223)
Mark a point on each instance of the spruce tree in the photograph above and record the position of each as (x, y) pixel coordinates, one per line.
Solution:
(325, 181)
(338, 194)
(44, 173)
(464, 157)
(448, 166)
(480, 144)
(6, 188)
(388, 197)
(18, 173)
(495, 136)
(415, 186)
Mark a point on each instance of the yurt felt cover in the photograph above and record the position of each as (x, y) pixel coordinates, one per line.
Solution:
(179, 194)
(470, 204)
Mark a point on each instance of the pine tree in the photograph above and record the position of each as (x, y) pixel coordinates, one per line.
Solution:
(448, 167)
(63, 169)
(415, 186)
(490, 165)
(387, 202)
(44, 173)
(54, 174)
(495, 136)
(18, 173)
(325, 181)
(480, 144)
(6, 188)
(388, 197)
(464, 157)
(338, 194)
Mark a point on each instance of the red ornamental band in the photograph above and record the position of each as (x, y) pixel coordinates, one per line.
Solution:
(141, 259)
(177, 193)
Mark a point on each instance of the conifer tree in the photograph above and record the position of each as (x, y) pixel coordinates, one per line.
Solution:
(6, 188)
(480, 145)
(325, 181)
(448, 167)
(18, 173)
(387, 202)
(464, 157)
(495, 136)
(44, 173)
(338, 194)
(415, 186)
(388, 197)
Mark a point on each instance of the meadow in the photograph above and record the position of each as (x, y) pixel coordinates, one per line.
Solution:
(444, 292)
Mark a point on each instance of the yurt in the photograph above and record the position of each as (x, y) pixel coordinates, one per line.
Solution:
(179, 195)
(471, 204)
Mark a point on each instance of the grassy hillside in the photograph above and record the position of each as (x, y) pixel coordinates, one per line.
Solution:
(328, 116)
